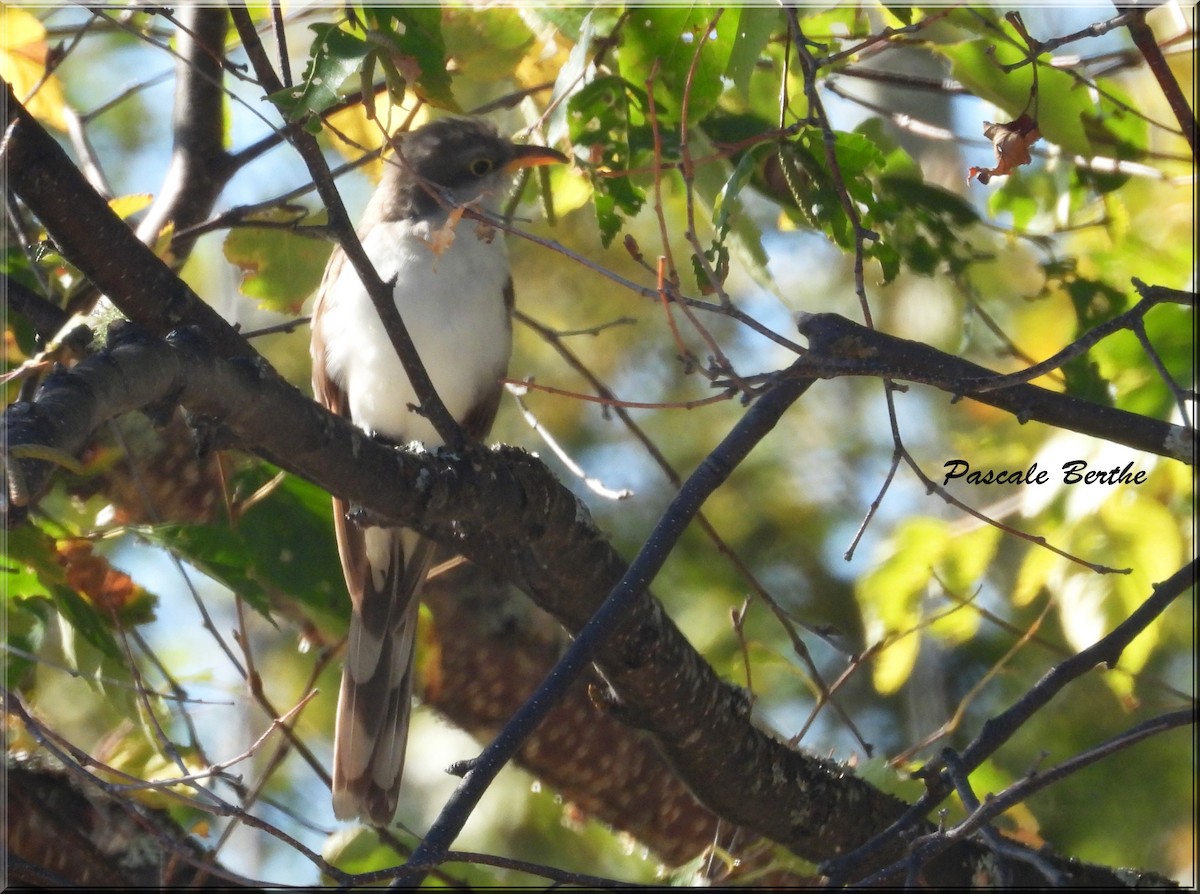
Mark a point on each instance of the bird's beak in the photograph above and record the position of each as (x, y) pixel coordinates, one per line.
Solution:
(531, 156)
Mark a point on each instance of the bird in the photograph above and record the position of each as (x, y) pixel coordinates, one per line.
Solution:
(453, 289)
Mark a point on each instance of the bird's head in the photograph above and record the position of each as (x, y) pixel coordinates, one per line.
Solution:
(463, 158)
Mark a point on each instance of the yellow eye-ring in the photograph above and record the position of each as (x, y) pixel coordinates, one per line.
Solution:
(481, 166)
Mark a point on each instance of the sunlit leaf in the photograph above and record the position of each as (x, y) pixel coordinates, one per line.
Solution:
(23, 55)
(690, 56)
(36, 553)
(1060, 109)
(280, 268)
(127, 206)
(894, 663)
(599, 121)
(282, 545)
(890, 595)
(1034, 574)
(408, 41)
(335, 57)
(366, 131)
(755, 25)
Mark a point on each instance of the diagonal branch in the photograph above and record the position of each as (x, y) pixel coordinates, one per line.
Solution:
(99, 243)
(1147, 44)
(200, 165)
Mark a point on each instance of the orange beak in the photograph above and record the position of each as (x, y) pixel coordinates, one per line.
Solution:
(532, 156)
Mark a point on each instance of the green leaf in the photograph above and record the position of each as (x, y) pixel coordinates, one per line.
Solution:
(739, 234)
(1023, 196)
(335, 56)
(568, 19)
(571, 77)
(922, 227)
(754, 27)
(25, 622)
(931, 201)
(408, 40)
(40, 573)
(221, 553)
(282, 546)
(805, 165)
(890, 596)
(671, 38)
(600, 117)
(280, 267)
(1060, 106)
(744, 171)
(495, 43)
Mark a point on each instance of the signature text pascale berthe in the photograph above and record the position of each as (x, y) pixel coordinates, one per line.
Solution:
(1074, 472)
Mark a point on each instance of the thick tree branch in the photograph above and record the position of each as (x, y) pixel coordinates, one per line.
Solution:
(840, 347)
(495, 648)
(99, 243)
(200, 166)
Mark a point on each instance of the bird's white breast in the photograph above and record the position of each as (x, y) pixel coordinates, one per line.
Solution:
(452, 304)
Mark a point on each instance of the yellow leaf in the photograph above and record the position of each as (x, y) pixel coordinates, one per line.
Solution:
(1034, 573)
(571, 192)
(23, 55)
(893, 666)
(890, 593)
(125, 207)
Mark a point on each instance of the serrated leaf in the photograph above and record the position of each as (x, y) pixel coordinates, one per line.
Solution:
(280, 268)
(599, 120)
(805, 166)
(408, 41)
(335, 56)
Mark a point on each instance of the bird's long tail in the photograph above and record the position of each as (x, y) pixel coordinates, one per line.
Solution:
(377, 680)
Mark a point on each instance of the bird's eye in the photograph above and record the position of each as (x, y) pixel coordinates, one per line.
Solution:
(481, 166)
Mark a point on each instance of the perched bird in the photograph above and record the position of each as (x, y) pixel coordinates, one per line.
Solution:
(453, 288)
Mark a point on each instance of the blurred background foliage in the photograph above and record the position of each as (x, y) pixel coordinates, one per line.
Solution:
(957, 619)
